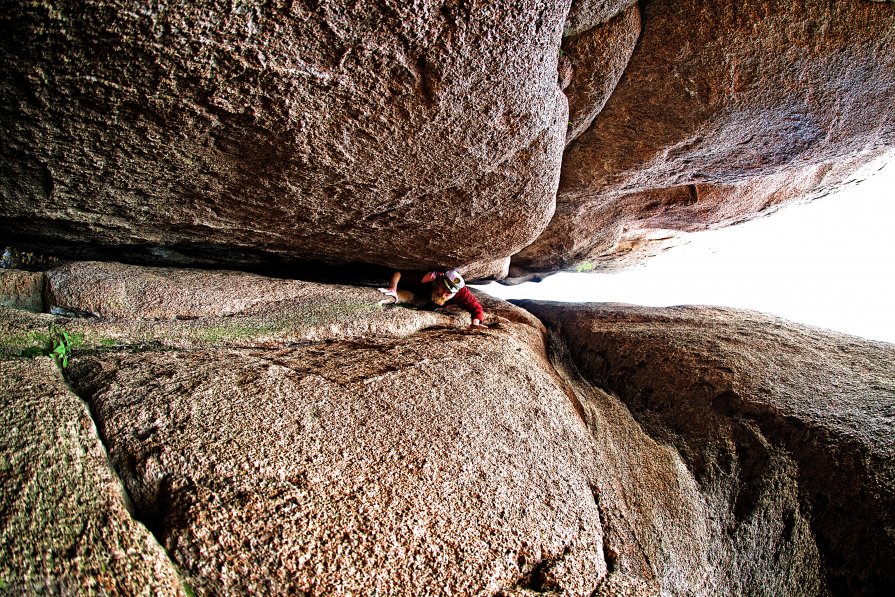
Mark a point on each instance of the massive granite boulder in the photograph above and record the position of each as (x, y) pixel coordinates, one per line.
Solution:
(630, 452)
(785, 430)
(419, 134)
(425, 134)
(401, 460)
(718, 105)
(445, 461)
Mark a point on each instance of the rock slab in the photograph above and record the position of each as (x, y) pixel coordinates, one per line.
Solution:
(442, 462)
(250, 132)
(785, 428)
(386, 450)
(64, 525)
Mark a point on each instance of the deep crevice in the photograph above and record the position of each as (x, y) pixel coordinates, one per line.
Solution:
(538, 580)
(610, 555)
(85, 389)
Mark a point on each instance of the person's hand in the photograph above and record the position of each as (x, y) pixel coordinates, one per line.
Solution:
(477, 325)
(392, 292)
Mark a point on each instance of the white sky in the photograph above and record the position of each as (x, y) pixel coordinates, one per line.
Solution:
(829, 263)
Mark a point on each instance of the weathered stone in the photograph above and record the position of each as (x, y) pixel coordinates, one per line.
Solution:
(623, 231)
(785, 429)
(186, 308)
(442, 462)
(119, 290)
(22, 290)
(598, 58)
(718, 94)
(585, 14)
(425, 134)
(64, 525)
(22, 331)
(404, 134)
(702, 451)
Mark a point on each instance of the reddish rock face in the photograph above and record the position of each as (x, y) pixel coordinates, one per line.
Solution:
(399, 135)
(785, 429)
(427, 134)
(597, 59)
(280, 436)
(443, 461)
(715, 99)
(585, 14)
(622, 231)
(716, 93)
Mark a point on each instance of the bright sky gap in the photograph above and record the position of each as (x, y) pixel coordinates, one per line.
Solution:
(829, 263)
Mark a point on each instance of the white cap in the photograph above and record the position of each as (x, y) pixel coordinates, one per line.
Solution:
(453, 280)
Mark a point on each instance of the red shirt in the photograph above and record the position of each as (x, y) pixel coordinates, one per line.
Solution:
(463, 299)
(467, 301)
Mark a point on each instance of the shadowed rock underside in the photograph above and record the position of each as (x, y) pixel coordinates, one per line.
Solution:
(294, 136)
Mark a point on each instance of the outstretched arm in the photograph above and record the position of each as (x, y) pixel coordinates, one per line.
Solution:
(467, 301)
(393, 285)
(392, 289)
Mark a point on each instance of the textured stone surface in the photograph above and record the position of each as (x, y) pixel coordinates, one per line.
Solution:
(443, 462)
(718, 94)
(402, 134)
(136, 305)
(427, 134)
(585, 14)
(280, 442)
(118, 290)
(22, 290)
(111, 305)
(786, 430)
(615, 233)
(597, 58)
(64, 527)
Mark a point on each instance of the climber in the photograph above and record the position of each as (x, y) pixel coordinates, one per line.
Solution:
(434, 290)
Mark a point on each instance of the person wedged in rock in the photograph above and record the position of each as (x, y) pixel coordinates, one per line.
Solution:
(432, 290)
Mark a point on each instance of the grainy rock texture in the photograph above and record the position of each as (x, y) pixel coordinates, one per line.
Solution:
(172, 307)
(278, 442)
(597, 59)
(719, 94)
(64, 526)
(615, 233)
(400, 134)
(424, 134)
(785, 429)
(585, 14)
(117, 290)
(716, 93)
(445, 462)
(374, 464)
(22, 290)
(387, 471)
